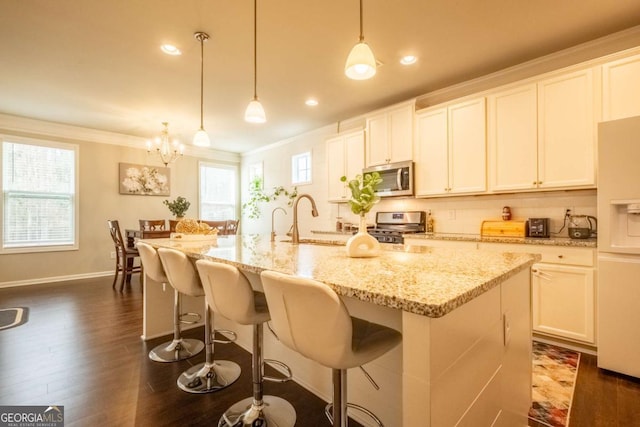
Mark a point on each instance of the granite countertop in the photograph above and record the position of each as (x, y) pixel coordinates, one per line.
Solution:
(421, 280)
(550, 241)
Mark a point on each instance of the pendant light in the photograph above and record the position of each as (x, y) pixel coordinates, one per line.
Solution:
(254, 112)
(361, 64)
(169, 151)
(201, 139)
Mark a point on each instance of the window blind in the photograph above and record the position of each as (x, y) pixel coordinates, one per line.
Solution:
(218, 192)
(38, 184)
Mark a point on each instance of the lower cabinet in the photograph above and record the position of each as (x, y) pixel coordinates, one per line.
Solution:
(563, 290)
(563, 301)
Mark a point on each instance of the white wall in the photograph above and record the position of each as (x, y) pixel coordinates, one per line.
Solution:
(99, 198)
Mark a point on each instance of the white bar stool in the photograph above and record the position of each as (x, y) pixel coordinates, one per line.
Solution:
(230, 294)
(211, 375)
(310, 318)
(179, 348)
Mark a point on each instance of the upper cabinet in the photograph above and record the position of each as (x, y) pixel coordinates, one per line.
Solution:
(390, 135)
(543, 135)
(449, 149)
(345, 157)
(621, 88)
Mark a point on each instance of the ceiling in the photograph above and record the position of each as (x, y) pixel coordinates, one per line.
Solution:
(97, 63)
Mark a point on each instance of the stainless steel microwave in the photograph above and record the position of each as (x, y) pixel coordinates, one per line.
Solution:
(397, 178)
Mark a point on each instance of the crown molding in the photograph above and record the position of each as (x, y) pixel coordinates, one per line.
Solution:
(25, 126)
(604, 49)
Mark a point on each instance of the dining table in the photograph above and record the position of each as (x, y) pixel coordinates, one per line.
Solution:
(132, 234)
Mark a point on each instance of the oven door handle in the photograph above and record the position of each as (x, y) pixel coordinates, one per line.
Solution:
(399, 179)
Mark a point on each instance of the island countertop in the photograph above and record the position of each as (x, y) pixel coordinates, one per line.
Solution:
(421, 280)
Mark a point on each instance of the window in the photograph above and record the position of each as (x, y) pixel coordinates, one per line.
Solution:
(39, 189)
(218, 192)
(301, 168)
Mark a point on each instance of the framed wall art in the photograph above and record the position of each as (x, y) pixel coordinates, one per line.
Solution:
(144, 180)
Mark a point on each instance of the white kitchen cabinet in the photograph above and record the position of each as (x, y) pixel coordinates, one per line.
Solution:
(567, 130)
(450, 149)
(345, 157)
(543, 135)
(512, 120)
(621, 88)
(563, 290)
(563, 299)
(390, 135)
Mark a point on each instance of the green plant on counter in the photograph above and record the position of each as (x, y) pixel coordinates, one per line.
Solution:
(363, 192)
(257, 195)
(178, 207)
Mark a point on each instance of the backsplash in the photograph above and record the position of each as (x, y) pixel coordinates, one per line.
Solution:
(465, 214)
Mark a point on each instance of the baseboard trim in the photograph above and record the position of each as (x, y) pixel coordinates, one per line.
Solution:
(42, 280)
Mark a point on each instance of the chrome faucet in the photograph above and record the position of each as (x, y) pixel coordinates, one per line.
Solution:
(295, 234)
(273, 233)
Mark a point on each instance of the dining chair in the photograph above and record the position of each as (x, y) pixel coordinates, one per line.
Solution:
(231, 226)
(125, 256)
(172, 225)
(152, 224)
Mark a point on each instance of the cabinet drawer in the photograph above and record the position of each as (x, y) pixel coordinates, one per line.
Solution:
(550, 254)
(573, 256)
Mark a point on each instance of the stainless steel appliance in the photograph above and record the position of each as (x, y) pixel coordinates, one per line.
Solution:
(538, 227)
(390, 226)
(397, 178)
(582, 226)
(619, 246)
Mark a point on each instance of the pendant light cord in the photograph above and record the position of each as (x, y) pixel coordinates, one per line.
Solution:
(361, 26)
(255, 49)
(201, 82)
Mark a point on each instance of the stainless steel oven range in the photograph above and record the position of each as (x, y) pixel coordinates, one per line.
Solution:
(390, 226)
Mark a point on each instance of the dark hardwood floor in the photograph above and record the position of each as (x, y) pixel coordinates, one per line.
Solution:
(81, 348)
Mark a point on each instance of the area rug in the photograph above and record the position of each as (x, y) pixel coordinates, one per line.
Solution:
(554, 376)
(12, 317)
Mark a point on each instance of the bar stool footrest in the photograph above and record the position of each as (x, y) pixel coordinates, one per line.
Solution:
(288, 376)
(328, 411)
(224, 332)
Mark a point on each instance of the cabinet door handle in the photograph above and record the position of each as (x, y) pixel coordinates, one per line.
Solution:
(541, 274)
(560, 256)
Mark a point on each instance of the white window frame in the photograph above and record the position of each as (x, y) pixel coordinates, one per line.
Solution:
(76, 197)
(235, 169)
(296, 171)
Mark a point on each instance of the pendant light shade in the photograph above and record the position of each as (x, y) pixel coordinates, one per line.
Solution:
(361, 64)
(201, 139)
(255, 112)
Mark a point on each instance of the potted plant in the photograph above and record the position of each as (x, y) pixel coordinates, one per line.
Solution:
(257, 195)
(363, 197)
(178, 207)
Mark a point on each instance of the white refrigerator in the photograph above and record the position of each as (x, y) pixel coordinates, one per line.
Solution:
(619, 246)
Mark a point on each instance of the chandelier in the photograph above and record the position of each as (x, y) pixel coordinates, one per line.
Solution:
(169, 151)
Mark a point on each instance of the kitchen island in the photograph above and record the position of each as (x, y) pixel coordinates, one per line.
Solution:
(464, 315)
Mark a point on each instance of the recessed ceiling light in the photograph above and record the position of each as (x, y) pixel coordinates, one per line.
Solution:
(170, 49)
(311, 102)
(408, 59)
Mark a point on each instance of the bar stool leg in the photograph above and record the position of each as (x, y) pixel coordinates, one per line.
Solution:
(259, 410)
(212, 375)
(179, 348)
